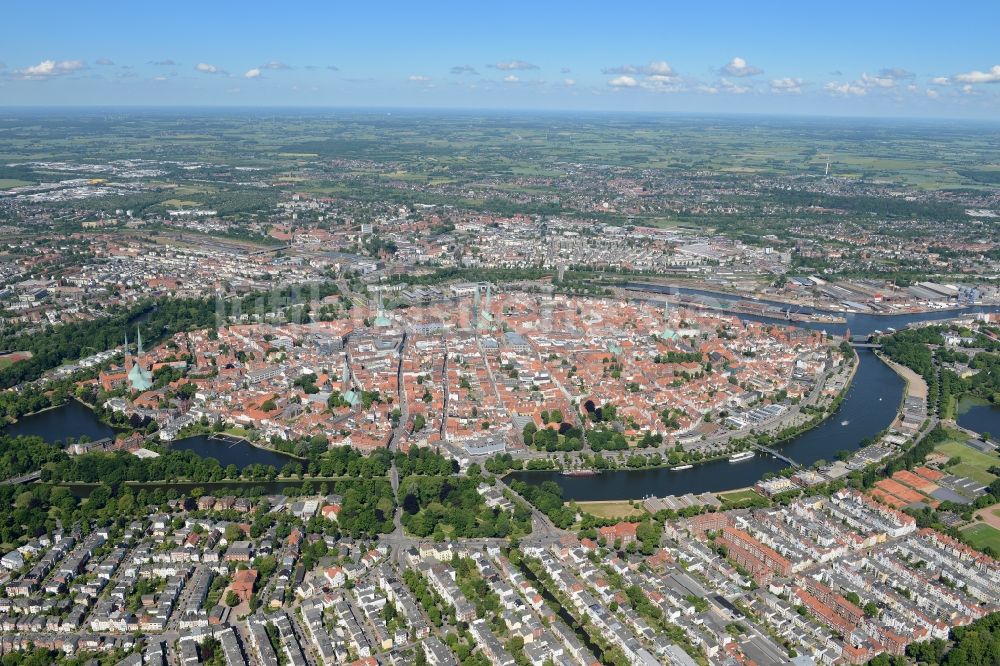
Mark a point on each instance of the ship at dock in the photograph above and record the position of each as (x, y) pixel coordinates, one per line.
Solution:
(740, 457)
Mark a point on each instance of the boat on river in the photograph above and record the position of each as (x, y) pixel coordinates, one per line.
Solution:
(740, 457)
(580, 472)
(681, 467)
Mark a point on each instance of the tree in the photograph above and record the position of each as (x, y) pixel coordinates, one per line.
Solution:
(528, 434)
(233, 532)
(232, 599)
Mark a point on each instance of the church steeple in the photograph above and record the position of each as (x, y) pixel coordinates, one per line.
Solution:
(139, 377)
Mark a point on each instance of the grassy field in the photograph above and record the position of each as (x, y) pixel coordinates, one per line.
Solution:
(982, 535)
(974, 463)
(612, 509)
(738, 497)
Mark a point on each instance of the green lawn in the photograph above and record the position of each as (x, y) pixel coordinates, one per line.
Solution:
(982, 535)
(612, 510)
(738, 497)
(974, 463)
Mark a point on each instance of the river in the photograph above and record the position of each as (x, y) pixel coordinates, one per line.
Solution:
(869, 406)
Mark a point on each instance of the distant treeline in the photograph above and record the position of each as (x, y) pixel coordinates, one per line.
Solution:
(989, 177)
(882, 206)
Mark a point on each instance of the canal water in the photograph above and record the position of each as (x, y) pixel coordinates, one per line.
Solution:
(74, 419)
(240, 453)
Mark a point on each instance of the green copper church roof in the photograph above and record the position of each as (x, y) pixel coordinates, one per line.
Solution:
(140, 379)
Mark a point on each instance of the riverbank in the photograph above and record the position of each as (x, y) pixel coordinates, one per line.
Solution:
(916, 387)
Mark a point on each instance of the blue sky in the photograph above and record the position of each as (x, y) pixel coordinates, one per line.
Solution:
(833, 58)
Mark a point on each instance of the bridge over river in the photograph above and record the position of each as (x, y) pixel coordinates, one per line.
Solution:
(777, 454)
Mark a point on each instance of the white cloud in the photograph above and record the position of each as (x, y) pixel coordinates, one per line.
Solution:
(738, 67)
(967, 89)
(623, 82)
(206, 68)
(104, 61)
(661, 83)
(932, 94)
(513, 64)
(565, 70)
(707, 89)
(733, 88)
(252, 73)
(940, 81)
(510, 78)
(660, 68)
(654, 68)
(418, 78)
(163, 63)
(274, 64)
(160, 78)
(975, 76)
(787, 85)
(886, 79)
(845, 89)
(569, 82)
(49, 68)
(464, 69)
(867, 81)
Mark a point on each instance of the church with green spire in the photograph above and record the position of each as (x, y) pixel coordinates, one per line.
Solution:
(139, 378)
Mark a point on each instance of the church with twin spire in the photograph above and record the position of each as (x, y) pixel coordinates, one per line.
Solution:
(139, 377)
